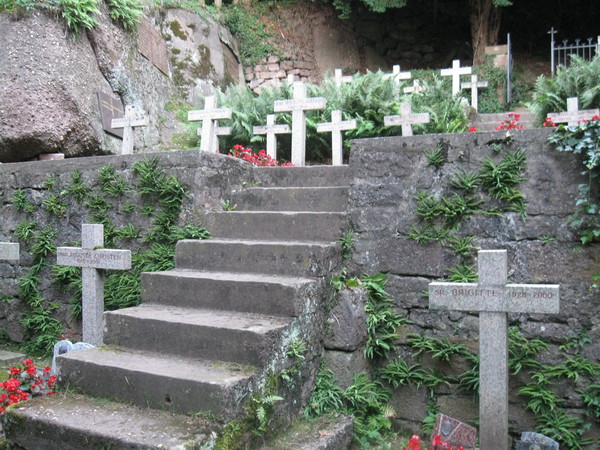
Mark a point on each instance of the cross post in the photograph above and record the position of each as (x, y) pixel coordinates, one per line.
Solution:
(493, 299)
(209, 116)
(93, 260)
(271, 130)
(128, 123)
(298, 107)
(336, 126)
(573, 115)
(455, 72)
(397, 75)
(9, 251)
(474, 85)
(340, 78)
(406, 119)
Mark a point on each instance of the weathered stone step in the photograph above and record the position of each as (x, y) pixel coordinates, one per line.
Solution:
(303, 176)
(157, 381)
(282, 225)
(241, 338)
(243, 292)
(315, 199)
(74, 422)
(489, 122)
(269, 257)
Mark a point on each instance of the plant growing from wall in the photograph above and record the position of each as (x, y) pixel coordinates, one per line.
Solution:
(153, 250)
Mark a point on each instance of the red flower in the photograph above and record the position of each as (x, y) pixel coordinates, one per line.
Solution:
(549, 122)
(27, 362)
(472, 129)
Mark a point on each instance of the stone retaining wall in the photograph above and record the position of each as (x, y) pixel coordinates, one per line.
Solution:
(543, 248)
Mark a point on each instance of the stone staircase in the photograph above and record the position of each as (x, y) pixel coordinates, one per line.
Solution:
(489, 122)
(210, 334)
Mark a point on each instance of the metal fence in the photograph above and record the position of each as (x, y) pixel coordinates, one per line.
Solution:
(560, 54)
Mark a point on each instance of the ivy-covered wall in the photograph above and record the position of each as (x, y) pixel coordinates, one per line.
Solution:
(420, 208)
(146, 203)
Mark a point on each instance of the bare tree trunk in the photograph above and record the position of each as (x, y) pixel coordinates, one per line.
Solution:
(485, 27)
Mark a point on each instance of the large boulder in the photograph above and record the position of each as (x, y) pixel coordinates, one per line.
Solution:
(50, 79)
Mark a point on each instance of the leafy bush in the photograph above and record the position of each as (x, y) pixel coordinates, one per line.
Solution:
(79, 14)
(126, 12)
(581, 79)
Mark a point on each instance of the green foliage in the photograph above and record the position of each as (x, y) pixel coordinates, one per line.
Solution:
(254, 38)
(435, 157)
(126, 12)
(112, 183)
(591, 398)
(326, 397)
(567, 430)
(54, 205)
(346, 242)
(21, 202)
(580, 79)
(25, 231)
(263, 411)
(77, 189)
(522, 351)
(79, 14)
(465, 180)
(500, 179)
(442, 349)
(461, 245)
(462, 273)
(382, 319)
(584, 139)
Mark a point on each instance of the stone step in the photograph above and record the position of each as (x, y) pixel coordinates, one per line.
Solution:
(243, 338)
(68, 421)
(315, 199)
(303, 176)
(267, 257)
(158, 381)
(243, 292)
(489, 122)
(282, 225)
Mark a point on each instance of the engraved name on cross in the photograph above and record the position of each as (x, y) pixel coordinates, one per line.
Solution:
(493, 299)
(573, 115)
(271, 130)
(209, 117)
(406, 119)
(298, 107)
(131, 120)
(455, 72)
(9, 251)
(93, 260)
(336, 126)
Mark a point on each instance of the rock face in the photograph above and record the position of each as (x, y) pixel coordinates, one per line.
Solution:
(49, 82)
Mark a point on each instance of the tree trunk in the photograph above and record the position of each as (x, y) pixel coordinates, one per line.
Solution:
(485, 27)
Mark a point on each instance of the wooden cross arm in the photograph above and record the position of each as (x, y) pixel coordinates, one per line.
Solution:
(336, 126)
(299, 104)
(123, 122)
(512, 298)
(96, 259)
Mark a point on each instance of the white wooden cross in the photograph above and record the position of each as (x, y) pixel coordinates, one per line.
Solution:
(455, 72)
(272, 130)
(93, 259)
(397, 75)
(340, 78)
(209, 116)
(415, 88)
(573, 115)
(290, 78)
(493, 299)
(406, 119)
(336, 126)
(131, 120)
(298, 107)
(9, 251)
(474, 85)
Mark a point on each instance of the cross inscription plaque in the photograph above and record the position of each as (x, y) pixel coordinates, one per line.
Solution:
(406, 119)
(493, 299)
(298, 107)
(93, 260)
(573, 115)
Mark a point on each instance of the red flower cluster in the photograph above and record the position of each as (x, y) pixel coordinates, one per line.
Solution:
(549, 122)
(511, 124)
(24, 382)
(258, 159)
(438, 444)
(472, 130)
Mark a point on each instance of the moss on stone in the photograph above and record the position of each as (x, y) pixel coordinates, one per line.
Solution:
(177, 31)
